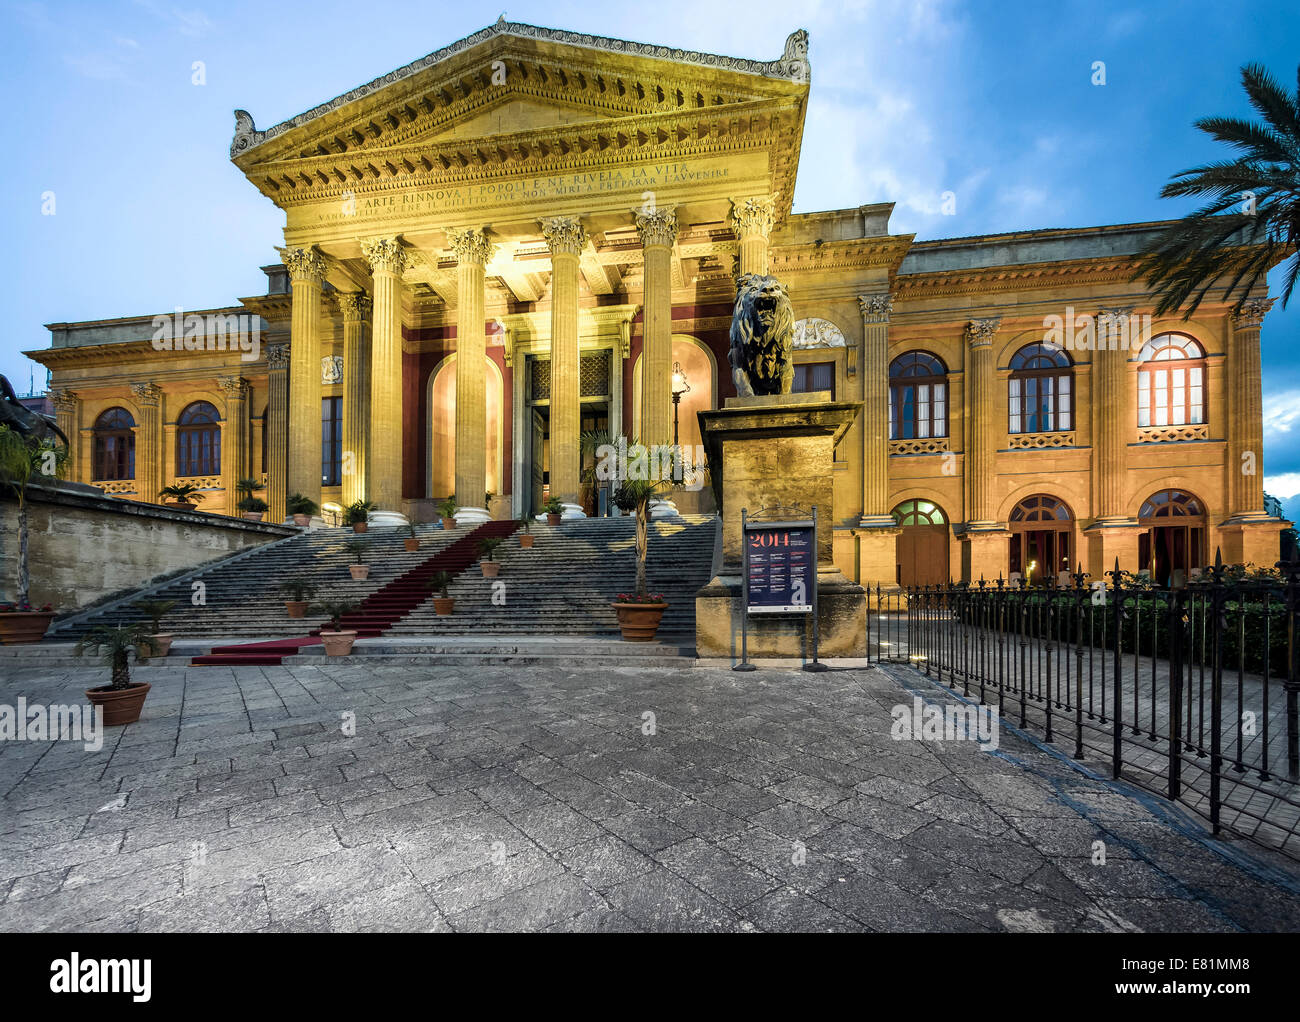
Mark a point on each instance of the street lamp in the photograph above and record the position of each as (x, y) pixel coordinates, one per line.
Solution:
(680, 387)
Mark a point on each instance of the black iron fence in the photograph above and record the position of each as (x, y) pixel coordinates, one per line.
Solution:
(1190, 692)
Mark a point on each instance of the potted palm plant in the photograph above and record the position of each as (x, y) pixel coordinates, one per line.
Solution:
(491, 568)
(447, 511)
(154, 643)
(357, 515)
(639, 613)
(411, 542)
(360, 571)
(299, 591)
(443, 604)
(554, 509)
(251, 507)
(336, 639)
(20, 460)
(525, 537)
(121, 700)
(181, 496)
(302, 508)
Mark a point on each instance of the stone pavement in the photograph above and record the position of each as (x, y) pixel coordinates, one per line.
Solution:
(388, 797)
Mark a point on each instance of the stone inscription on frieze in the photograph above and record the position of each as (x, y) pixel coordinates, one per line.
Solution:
(633, 181)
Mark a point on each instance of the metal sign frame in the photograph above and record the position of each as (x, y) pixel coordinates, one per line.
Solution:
(759, 522)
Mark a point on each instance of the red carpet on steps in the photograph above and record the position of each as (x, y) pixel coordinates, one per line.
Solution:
(377, 612)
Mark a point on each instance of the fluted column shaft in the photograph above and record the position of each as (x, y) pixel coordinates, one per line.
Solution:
(1110, 402)
(751, 220)
(473, 250)
(234, 444)
(357, 378)
(1246, 418)
(980, 444)
(148, 441)
(875, 408)
(67, 413)
(277, 431)
(566, 238)
(384, 470)
(658, 230)
(307, 273)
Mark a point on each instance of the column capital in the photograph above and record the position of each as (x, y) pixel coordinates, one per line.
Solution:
(752, 216)
(385, 255)
(233, 387)
(564, 235)
(1251, 313)
(657, 226)
(471, 244)
(876, 308)
(305, 265)
(277, 357)
(146, 392)
(979, 332)
(354, 305)
(66, 400)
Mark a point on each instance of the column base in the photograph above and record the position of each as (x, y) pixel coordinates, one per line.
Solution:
(663, 509)
(878, 551)
(985, 552)
(1111, 541)
(572, 511)
(387, 520)
(1251, 539)
(877, 522)
(472, 516)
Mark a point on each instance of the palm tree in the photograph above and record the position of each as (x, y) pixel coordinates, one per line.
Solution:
(634, 495)
(1252, 219)
(22, 458)
(115, 644)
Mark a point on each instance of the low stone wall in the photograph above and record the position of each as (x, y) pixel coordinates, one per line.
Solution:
(84, 547)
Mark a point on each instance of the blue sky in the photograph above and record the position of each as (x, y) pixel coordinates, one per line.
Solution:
(992, 101)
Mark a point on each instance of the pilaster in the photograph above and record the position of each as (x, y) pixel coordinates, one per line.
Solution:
(980, 443)
(277, 431)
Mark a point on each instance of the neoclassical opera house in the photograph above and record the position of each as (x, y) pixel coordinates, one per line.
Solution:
(531, 233)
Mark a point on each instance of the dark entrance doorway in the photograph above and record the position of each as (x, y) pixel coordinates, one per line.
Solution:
(921, 550)
(1174, 541)
(1040, 539)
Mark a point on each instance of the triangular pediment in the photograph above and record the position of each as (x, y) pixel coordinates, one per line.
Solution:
(512, 115)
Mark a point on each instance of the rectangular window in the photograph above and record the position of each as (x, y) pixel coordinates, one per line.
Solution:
(814, 376)
(1144, 398)
(1196, 398)
(940, 409)
(331, 441)
(1063, 389)
(1013, 407)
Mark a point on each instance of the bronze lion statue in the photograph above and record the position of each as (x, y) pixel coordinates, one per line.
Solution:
(762, 332)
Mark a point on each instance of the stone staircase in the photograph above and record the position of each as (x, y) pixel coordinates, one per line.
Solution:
(242, 597)
(564, 584)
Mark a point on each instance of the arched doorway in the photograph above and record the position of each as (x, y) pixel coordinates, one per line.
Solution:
(1040, 539)
(1174, 541)
(921, 549)
(442, 428)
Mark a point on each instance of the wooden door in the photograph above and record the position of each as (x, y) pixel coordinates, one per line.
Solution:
(537, 466)
(922, 555)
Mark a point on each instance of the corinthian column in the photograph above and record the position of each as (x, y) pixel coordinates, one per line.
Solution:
(356, 394)
(234, 445)
(1111, 413)
(1246, 418)
(307, 272)
(473, 250)
(388, 262)
(875, 410)
(277, 431)
(148, 441)
(751, 220)
(67, 413)
(658, 230)
(980, 445)
(566, 239)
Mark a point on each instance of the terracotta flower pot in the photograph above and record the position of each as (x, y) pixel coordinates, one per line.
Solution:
(155, 646)
(180, 505)
(302, 521)
(360, 572)
(296, 608)
(491, 569)
(121, 706)
(552, 519)
(360, 526)
(444, 608)
(338, 643)
(639, 621)
(252, 516)
(17, 628)
(411, 545)
(525, 541)
(449, 523)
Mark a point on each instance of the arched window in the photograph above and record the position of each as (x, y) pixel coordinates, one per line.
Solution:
(114, 455)
(1041, 527)
(1040, 392)
(1171, 382)
(198, 441)
(918, 397)
(1174, 541)
(919, 512)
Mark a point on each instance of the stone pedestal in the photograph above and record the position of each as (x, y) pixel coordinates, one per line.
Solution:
(878, 552)
(1251, 539)
(387, 520)
(472, 516)
(1110, 540)
(984, 553)
(763, 452)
